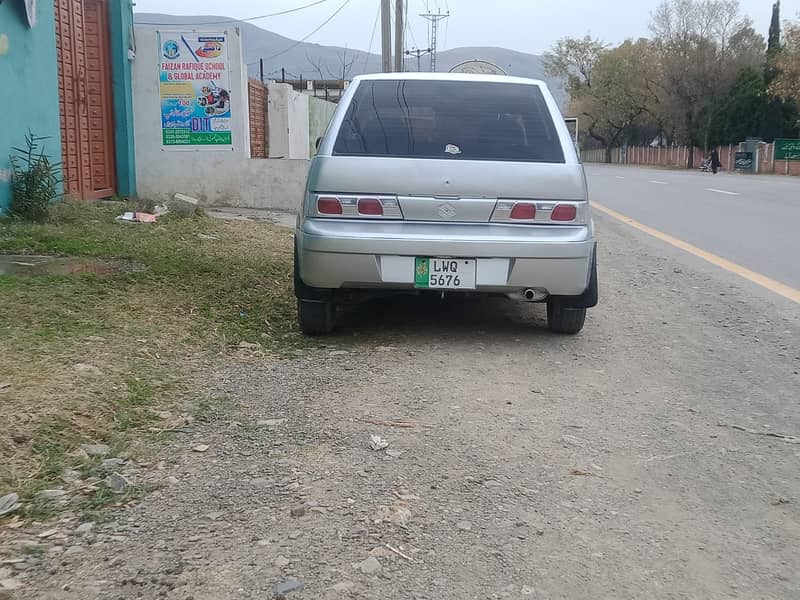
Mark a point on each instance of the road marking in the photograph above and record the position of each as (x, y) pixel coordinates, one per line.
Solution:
(657, 182)
(766, 282)
(619, 176)
(723, 192)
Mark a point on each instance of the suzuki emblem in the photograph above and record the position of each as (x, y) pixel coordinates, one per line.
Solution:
(446, 211)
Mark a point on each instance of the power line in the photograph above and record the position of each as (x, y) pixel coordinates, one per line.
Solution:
(298, 42)
(446, 29)
(276, 14)
(372, 37)
(419, 53)
(410, 29)
(413, 37)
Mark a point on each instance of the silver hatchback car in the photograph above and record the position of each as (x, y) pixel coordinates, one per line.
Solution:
(455, 183)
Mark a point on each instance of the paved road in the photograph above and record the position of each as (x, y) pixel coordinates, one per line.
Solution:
(753, 221)
(533, 466)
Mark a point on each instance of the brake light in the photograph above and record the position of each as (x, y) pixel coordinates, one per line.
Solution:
(356, 207)
(564, 212)
(523, 211)
(329, 206)
(370, 206)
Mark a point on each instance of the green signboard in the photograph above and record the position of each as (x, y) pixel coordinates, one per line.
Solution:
(787, 149)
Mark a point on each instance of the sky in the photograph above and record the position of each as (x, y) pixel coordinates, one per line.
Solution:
(524, 25)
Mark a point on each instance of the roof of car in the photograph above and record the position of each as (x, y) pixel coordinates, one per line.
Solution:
(449, 77)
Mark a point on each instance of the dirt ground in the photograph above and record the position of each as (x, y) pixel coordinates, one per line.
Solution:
(520, 464)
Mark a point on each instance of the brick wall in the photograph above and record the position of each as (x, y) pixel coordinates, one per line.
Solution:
(678, 156)
(259, 136)
(787, 167)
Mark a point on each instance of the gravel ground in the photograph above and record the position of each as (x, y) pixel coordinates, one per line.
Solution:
(520, 464)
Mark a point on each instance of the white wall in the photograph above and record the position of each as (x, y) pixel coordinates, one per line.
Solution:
(287, 113)
(214, 176)
(320, 113)
(278, 119)
(298, 125)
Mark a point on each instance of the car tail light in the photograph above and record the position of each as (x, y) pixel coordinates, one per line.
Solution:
(523, 211)
(507, 211)
(540, 212)
(370, 206)
(564, 212)
(327, 205)
(355, 207)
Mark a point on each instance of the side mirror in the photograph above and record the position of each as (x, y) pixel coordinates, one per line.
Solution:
(317, 143)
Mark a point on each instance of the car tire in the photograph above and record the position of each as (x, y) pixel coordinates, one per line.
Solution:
(316, 318)
(562, 319)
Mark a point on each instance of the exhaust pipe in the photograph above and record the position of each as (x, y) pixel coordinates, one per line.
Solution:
(528, 295)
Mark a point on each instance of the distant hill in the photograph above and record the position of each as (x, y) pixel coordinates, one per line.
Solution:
(313, 61)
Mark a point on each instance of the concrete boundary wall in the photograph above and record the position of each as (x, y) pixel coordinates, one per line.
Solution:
(288, 118)
(678, 156)
(225, 176)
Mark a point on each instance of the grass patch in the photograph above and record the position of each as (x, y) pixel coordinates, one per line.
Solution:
(98, 359)
(210, 409)
(33, 550)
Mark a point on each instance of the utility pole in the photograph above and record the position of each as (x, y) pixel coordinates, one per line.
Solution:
(434, 19)
(386, 35)
(419, 53)
(398, 36)
(261, 69)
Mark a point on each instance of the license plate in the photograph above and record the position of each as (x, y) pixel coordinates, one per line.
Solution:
(444, 273)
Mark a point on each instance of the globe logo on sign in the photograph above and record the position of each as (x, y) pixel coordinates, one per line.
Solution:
(171, 50)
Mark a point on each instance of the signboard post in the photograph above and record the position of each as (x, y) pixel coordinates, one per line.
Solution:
(195, 91)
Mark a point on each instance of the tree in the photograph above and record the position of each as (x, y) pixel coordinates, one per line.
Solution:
(345, 65)
(774, 43)
(621, 94)
(701, 45)
(747, 110)
(610, 88)
(786, 83)
(341, 71)
(317, 64)
(573, 59)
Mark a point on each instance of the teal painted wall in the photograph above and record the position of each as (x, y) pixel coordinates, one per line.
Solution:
(122, 43)
(29, 76)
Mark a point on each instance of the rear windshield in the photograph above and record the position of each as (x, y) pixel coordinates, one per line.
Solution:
(449, 119)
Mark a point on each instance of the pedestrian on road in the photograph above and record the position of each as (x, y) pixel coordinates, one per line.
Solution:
(715, 164)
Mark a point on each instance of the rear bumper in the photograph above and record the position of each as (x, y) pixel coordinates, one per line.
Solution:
(380, 255)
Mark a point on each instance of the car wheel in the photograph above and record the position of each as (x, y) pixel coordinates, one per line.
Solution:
(561, 319)
(316, 318)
